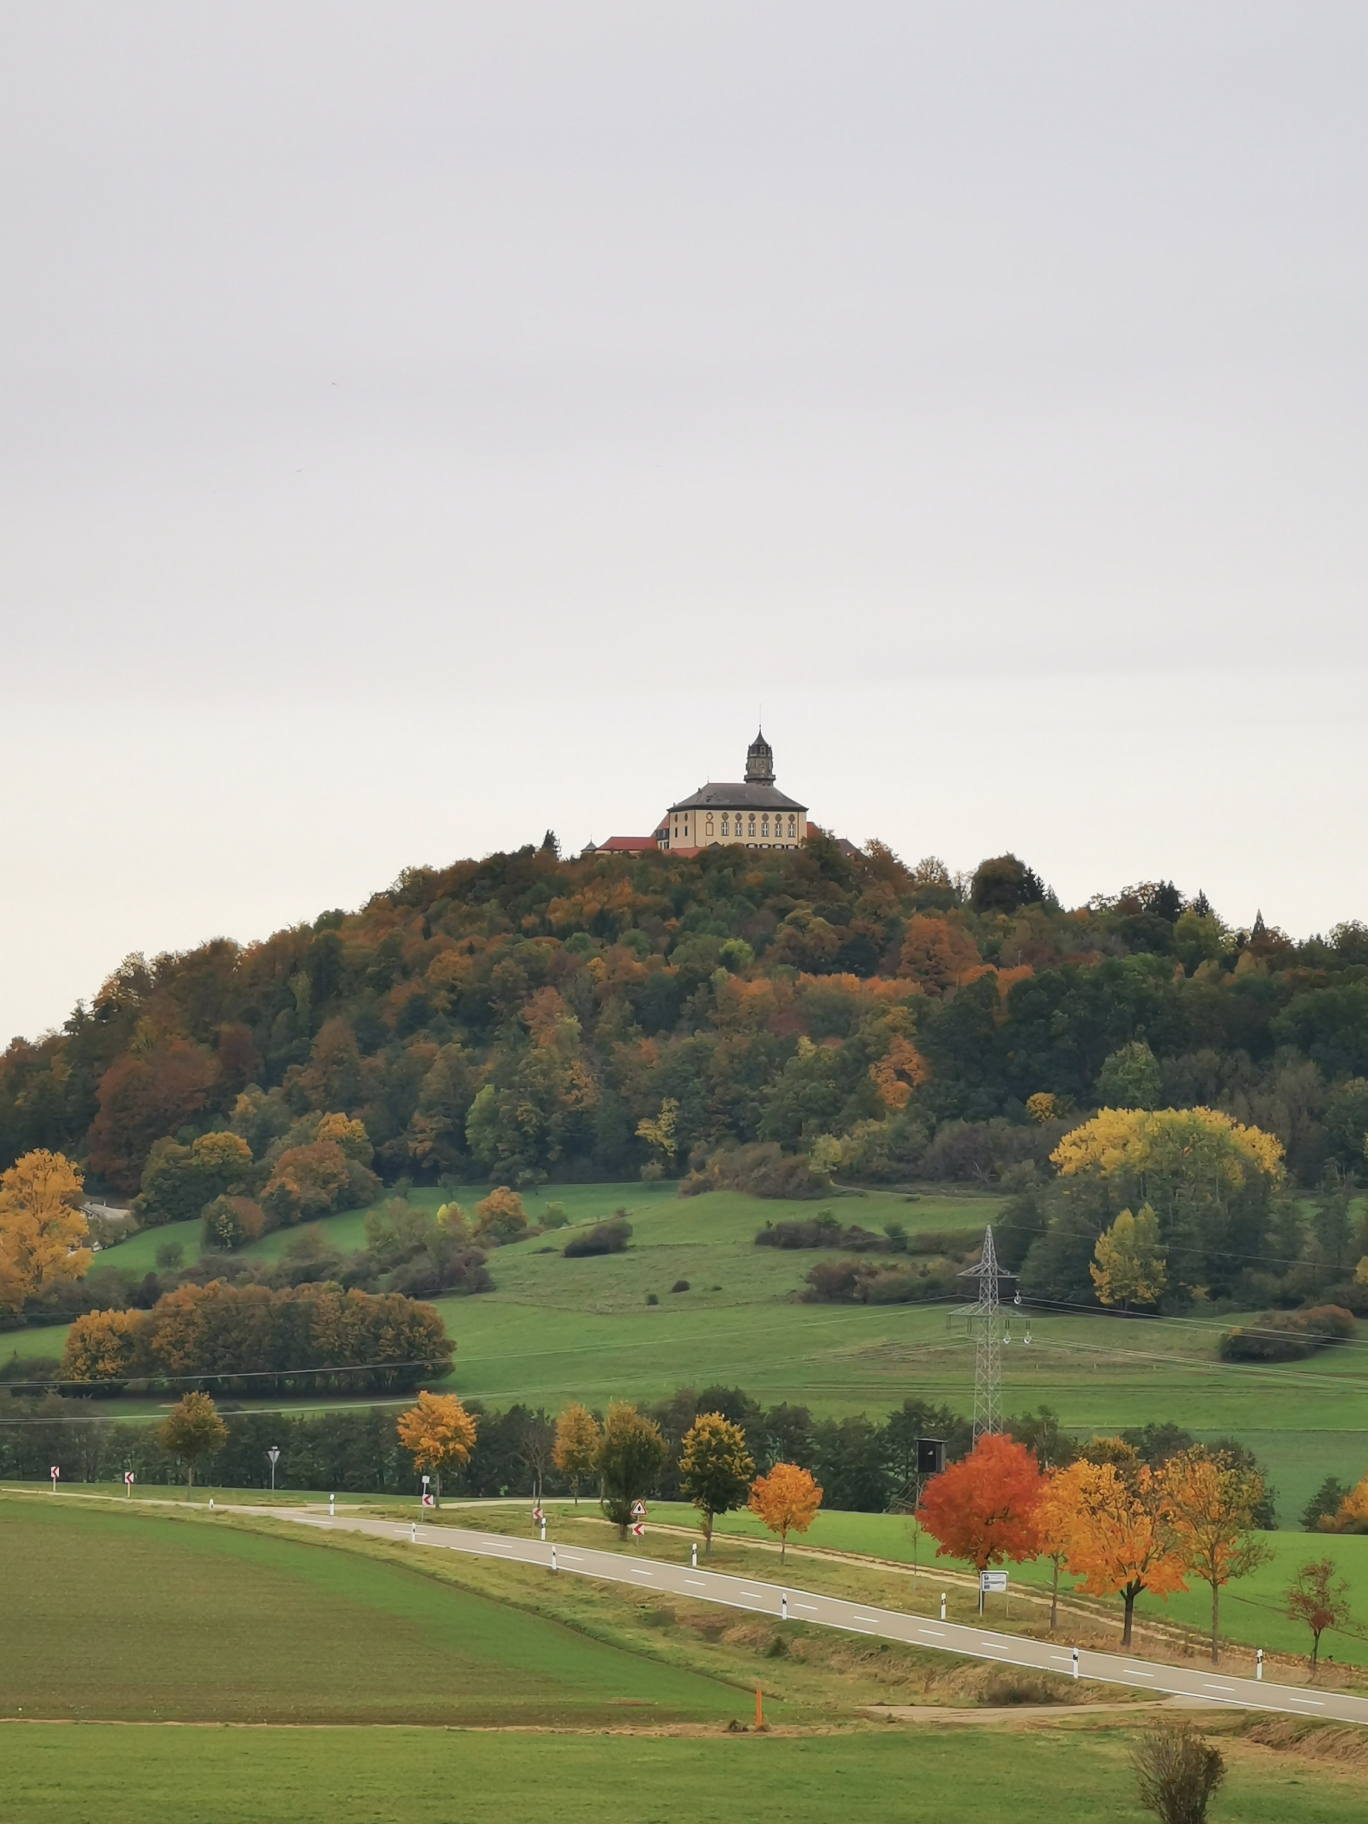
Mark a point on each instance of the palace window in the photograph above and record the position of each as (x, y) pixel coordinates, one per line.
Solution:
(724, 823)
(752, 823)
(764, 826)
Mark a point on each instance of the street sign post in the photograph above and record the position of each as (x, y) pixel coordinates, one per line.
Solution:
(638, 1510)
(991, 1583)
(273, 1456)
(128, 1482)
(638, 1531)
(55, 1472)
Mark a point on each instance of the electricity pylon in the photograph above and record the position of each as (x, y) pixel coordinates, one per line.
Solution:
(984, 1320)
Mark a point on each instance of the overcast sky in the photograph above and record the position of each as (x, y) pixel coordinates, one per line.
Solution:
(424, 424)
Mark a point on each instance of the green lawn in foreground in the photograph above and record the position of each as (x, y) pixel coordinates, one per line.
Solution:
(130, 1616)
(106, 1775)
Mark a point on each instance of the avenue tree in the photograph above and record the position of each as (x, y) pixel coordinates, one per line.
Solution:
(439, 1434)
(785, 1501)
(192, 1431)
(715, 1468)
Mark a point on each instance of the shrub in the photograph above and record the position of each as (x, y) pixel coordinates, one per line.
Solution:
(1287, 1336)
(500, 1218)
(554, 1216)
(652, 1299)
(609, 1237)
(763, 1170)
(680, 1285)
(868, 1282)
(227, 1223)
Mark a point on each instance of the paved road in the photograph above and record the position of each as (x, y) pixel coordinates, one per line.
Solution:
(785, 1602)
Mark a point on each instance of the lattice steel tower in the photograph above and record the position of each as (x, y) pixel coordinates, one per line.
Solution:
(985, 1322)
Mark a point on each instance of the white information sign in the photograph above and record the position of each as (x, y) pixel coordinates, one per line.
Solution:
(993, 1583)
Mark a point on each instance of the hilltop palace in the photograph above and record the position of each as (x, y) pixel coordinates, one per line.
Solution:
(753, 813)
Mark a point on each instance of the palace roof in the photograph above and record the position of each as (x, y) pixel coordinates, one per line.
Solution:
(741, 797)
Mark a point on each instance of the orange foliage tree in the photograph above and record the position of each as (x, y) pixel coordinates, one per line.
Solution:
(786, 1501)
(438, 1433)
(984, 1507)
(41, 1226)
(1118, 1536)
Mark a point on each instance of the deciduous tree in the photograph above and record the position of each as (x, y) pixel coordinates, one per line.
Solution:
(983, 1508)
(1119, 1539)
(1128, 1261)
(438, 1433)
(630, 1456)
(715, 1468)
(1318, 1596)
(192, 1430)
(577, 1444)
(41, 1226)
(786, 1501)
(1210, 1501)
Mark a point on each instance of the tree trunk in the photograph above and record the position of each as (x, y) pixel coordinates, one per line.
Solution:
(437, 1489)
(707, 1534)
(1128, 1596)
(1315, 1650)
(1215, 1619)
(1054, 1597)
(189, 1477)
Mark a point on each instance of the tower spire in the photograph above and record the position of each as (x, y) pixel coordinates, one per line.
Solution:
(760, 761)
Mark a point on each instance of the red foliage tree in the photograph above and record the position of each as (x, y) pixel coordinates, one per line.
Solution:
(983, 1508)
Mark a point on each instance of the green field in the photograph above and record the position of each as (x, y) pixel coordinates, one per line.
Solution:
(105, 1775)
(140, 1618)
(556, 1329)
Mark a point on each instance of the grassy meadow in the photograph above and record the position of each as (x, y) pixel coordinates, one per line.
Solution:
(923, 1775)
(556, 1329)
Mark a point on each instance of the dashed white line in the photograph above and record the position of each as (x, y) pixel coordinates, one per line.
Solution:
(873, 1620)
(697, 1582)
(808, 1608)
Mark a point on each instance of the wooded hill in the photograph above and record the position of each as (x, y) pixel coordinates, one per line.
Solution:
(527, 1016)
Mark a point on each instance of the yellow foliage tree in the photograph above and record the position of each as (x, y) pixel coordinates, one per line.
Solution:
(786, 1501)
(658, 1131)
(500, 1217)
(191, 1430)
(1128, 1266)
(1209, 1504)
(1143, 1140)
(576, 1449)
(438, 1433)
(42, 1226)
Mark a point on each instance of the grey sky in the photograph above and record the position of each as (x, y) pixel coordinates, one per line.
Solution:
(426, 423)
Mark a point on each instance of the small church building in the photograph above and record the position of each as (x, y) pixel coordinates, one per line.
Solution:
(751, 812)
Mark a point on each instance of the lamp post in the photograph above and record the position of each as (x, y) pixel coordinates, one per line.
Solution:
(273, 1456)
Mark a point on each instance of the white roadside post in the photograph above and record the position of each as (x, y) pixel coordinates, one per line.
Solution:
(1258, 1665)
(1075, 1662)
(693, 1555)
(331, 1506)
(942, 1605)
(413, 1532)
(783, 1606)
(554, 1565)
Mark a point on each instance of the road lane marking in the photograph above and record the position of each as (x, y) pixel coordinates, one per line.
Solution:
(697, 1582)
(1212, 1687)
(1131, 1671)
(873, 1620)
(808, 1608)
(637, 1573)
(753, 1595)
